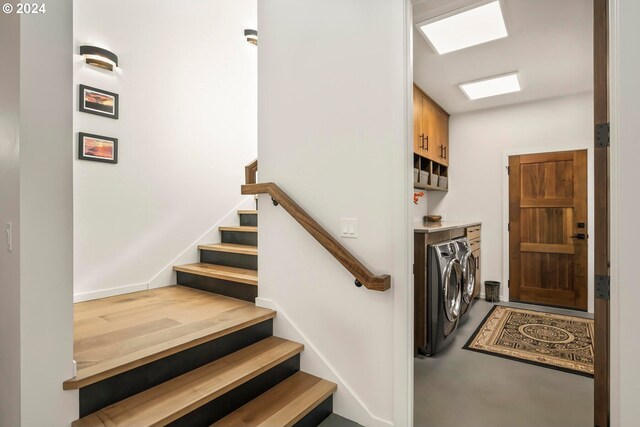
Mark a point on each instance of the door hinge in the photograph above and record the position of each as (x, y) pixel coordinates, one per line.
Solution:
(508, 283)
(508, 226)
(508, 170)
(603, 135)
(603, 287)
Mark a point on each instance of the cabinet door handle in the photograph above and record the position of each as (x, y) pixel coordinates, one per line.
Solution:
(427, 141)
(444, 148)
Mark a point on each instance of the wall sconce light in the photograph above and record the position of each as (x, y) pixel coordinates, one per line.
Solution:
(252, 36)
(99, 57)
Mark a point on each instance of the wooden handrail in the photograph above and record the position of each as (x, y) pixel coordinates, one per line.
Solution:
(250, 172)
(361, 273)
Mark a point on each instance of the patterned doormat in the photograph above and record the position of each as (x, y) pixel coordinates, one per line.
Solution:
(551, 340)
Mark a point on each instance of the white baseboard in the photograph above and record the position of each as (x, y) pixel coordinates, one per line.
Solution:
(347, 403)
(167, 277)
(104, 293)
(503, 298)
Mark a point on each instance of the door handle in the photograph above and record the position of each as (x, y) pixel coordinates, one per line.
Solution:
(580, 236)
(422, 141)
(426, 139)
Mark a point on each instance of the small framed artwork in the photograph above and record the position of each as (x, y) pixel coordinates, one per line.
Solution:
(97, 101)
(97, 148)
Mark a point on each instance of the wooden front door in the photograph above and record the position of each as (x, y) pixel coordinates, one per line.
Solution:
(548, 241)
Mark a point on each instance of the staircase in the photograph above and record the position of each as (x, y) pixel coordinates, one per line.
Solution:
(197, 354)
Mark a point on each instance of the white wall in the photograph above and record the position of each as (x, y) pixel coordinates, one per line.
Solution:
(480, 143)
(332, 133)
(46, 218)
(10, 212)
(36, 170)
(420, 209)
(188, 126)
(625, 205)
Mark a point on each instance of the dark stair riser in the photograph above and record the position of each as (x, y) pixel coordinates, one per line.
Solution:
(317, 415)
(240, 238)
(111, 390)
(250, 220)
(250, 262)
(218, 286)
(239, 396)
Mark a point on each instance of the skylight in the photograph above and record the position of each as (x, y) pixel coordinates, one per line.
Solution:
(492, 86)
(466, 28)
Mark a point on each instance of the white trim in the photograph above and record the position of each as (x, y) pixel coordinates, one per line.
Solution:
(615, 410)
(504, 291)
(104, 293)
(403, 302)
(286, 328)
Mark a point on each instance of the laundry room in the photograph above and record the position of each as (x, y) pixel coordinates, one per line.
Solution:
(503, 212)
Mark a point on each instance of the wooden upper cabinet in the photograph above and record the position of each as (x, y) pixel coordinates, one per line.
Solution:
(430, 128)
(429, 119)
(418, 124)
(442, 131)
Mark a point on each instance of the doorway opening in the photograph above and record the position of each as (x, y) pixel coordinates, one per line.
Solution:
(503, 151)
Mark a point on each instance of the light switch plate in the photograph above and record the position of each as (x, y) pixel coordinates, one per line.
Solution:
(8, 229)
(349, 228)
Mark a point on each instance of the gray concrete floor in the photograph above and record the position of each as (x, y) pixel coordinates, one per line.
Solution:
(459, 387)
(337, 421)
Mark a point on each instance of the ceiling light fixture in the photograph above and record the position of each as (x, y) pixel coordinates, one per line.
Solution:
(479, 23)
(492, 86)
(252, 36)
(99, 57)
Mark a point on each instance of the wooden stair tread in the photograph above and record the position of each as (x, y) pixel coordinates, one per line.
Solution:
(247, 212)
(283, 405)
(230, 248)
(240, 228)
(117, 334)
(232, 274)
(175, 398)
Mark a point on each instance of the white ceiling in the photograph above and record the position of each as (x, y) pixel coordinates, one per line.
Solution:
(550, 43)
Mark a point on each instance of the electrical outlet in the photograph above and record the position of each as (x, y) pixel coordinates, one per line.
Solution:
(349, 228)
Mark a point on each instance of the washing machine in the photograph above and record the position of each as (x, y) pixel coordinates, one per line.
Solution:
(444, 295)
(468, 264)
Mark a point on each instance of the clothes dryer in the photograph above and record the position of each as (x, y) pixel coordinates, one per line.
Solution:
(444, 295)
